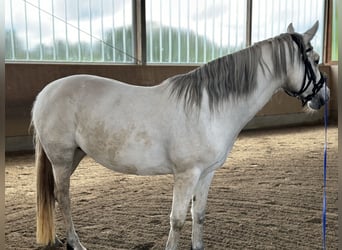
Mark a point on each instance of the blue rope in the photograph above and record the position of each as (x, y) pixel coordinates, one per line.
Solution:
(324, 208)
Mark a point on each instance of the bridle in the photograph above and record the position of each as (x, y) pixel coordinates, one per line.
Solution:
(309, 75)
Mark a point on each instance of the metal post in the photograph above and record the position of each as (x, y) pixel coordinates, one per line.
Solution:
(139, 23)
(249, 23)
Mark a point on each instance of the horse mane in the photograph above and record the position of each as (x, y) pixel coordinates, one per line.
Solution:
(233, 75)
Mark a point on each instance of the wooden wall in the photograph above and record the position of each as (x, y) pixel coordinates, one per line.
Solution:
(25, 80)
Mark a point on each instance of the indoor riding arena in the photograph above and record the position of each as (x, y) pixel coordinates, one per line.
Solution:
(274, 151)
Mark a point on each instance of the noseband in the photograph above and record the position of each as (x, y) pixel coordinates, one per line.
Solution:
(309, 76)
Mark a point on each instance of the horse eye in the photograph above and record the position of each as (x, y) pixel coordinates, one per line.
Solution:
(316, 62)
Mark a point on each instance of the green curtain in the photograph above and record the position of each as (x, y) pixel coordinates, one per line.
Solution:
(334, 45)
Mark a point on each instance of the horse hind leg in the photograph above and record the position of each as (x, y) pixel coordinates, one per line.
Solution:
(63, 172)
(54, 168)
(64, 163)
(63, 198)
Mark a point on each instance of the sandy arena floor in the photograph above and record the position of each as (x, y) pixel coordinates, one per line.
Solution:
(268, 195)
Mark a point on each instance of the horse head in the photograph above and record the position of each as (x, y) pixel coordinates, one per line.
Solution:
(305, 81)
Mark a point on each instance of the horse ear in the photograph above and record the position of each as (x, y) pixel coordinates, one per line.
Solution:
(290, 28)
(309, 34)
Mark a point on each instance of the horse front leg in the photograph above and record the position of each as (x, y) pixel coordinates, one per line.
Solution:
(199, 201)
(183, 189)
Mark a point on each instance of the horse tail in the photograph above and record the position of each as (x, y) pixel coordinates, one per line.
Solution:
(45, 197)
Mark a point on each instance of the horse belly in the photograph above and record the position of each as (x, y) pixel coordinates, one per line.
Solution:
(137, 161)
(126, 151)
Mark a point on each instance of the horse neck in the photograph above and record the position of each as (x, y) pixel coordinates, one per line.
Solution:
(243, 109)
(266, 88)
(268, 83)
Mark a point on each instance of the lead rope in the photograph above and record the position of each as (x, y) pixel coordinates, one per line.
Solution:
(324, 208)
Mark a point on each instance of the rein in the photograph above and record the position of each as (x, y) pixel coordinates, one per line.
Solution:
(311, 77)
(324, 205)
(308, 75)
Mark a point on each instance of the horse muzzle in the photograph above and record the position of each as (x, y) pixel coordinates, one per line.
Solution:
(320, 99)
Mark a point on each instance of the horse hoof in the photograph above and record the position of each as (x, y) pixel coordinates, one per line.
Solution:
(69, 247)
(58, 243)
(200, 248)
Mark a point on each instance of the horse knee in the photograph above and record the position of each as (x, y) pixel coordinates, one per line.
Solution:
(177, 224)
(199, 218)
